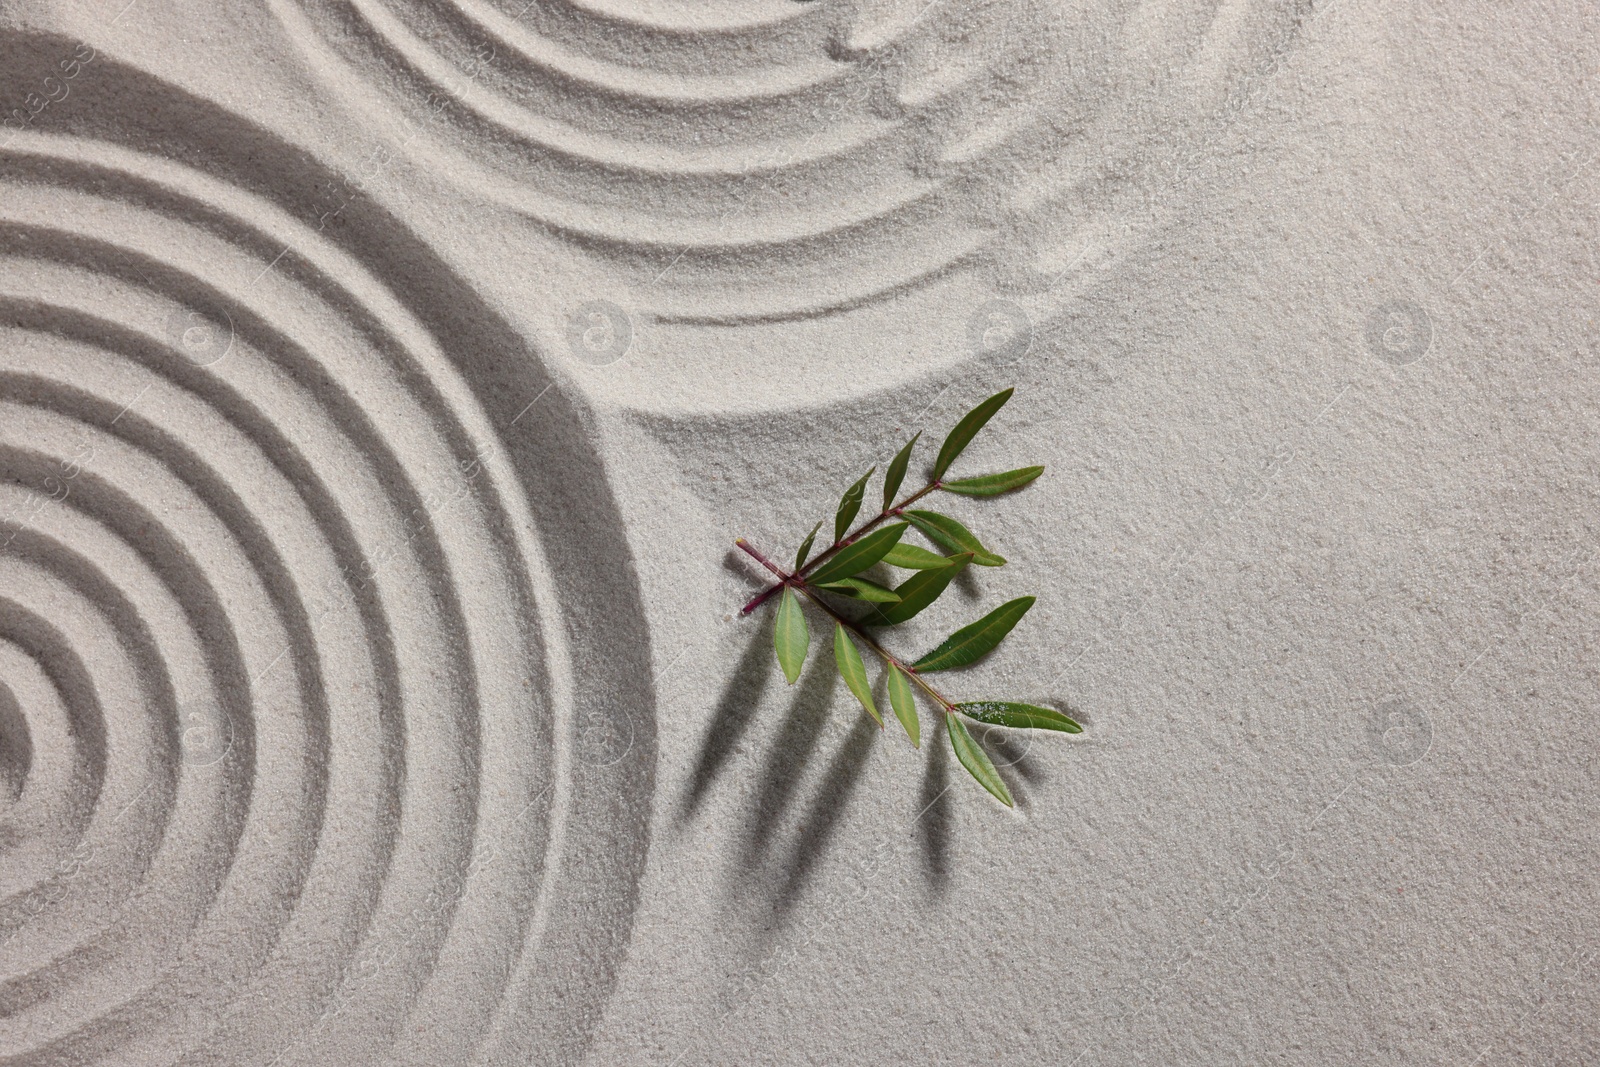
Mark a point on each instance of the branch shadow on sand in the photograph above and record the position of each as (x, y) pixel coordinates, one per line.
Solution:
(822, 817)
(1011, 752)
(784, 764)
(789, 756)
(795, 749)
(736, 709)
(780, 844)
(937, 814)
(798, 801)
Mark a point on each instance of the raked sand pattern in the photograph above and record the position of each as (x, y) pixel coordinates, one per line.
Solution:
(293, 767)
(383, 383)
(737, 162)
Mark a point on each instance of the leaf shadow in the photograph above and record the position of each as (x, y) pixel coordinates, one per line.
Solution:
(799, 802)
(966, 583)
(1011, 752)
(736, 710)
(936, 820)
(830, 801)
(790, 753)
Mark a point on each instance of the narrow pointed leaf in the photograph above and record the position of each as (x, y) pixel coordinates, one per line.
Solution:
(861, 589)
(976, 760)
(805, 546)
(943, 530)
(897, 471)
(904, 703)
(1018, 716)
(858, 555)
(852, 670)
(914, 558)
(917, 592)
(993, 484)
(849, 507)
(972, 641)
(966, 430)
(790, 637)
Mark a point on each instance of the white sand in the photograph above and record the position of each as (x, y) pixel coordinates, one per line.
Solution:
(383, 386)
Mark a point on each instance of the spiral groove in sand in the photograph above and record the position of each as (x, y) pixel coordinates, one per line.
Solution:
(779, 159)
(276, 628)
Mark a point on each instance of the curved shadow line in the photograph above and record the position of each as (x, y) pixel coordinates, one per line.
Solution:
(16, 753)
(47, 646)
(556, 456)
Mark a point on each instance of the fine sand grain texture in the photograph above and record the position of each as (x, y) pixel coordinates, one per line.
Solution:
(383, 384)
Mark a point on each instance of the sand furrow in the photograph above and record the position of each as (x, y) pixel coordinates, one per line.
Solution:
(778, 162)
(291, 731)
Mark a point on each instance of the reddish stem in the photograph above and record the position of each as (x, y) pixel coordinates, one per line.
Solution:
(850, 538)
(764, 561)
(799, 583)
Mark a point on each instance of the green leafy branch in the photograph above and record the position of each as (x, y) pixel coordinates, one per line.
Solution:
(835, 574)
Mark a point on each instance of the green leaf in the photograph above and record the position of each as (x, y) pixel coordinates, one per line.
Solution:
(966, 430)
(858, 555)
(968, 643)
(805, 546)
(897, 472)
(852, 670)
(918, 591)
(904, 703)
(1018, 716)
(943, 530)
(849, 506)
(914, 558)
(976, 760)
(790, 637)
(993, 484)
(861, 589)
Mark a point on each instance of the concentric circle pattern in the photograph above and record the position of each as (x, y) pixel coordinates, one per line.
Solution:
(776, 159)
(295, 602)
(288, 756)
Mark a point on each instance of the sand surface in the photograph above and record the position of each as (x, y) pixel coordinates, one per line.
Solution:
(383, 385)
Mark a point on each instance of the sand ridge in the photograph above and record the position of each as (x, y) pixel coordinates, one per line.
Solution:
(383, 384)
(300, 747)
(804, 158)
